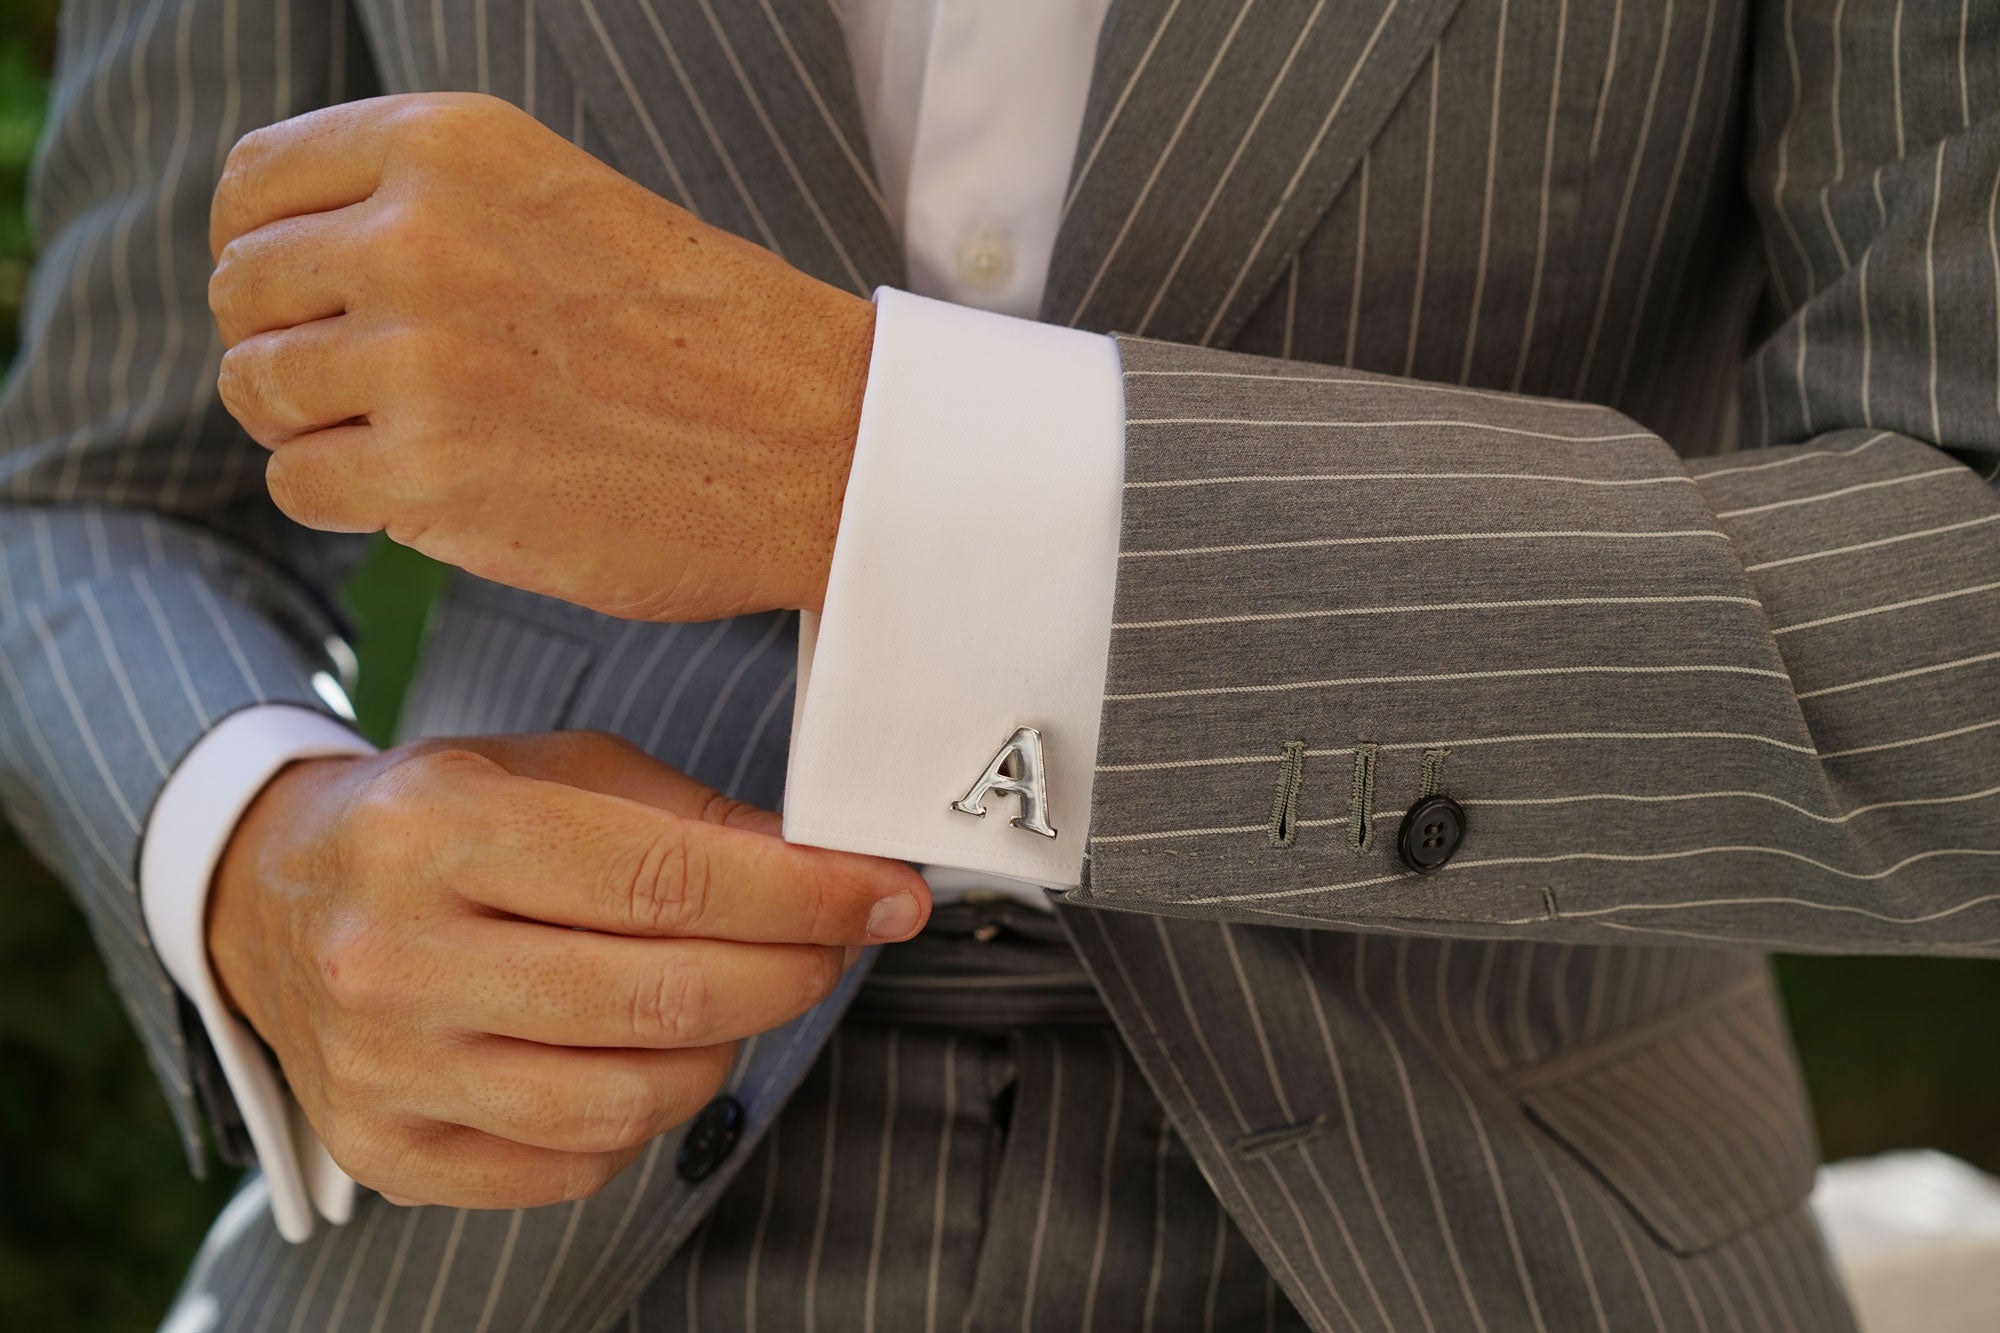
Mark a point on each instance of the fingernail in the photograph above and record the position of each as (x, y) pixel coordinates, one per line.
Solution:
(893, 918)
(851, 955)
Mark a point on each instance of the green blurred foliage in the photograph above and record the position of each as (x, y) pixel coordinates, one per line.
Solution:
(98, 1216)
(27, 44)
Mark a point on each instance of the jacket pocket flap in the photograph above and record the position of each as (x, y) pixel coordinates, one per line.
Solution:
(1699, 1125)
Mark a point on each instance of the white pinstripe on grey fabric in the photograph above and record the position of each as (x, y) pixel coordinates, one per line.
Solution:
(1748, 709)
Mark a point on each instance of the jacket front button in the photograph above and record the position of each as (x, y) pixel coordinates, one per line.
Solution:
(710, 1139)
(1432, 831)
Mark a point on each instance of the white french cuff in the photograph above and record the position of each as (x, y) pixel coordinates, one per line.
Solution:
(970, 595)
(185, 835)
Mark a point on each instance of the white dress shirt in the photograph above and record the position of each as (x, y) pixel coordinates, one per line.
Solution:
(972, 578)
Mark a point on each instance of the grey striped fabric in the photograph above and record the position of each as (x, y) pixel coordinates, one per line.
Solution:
(922, 1177)
(1696, 701)
(1026, 1180)
(1728, 700)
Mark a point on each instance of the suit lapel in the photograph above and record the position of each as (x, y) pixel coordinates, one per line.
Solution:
(742, 111)
(1215, 135)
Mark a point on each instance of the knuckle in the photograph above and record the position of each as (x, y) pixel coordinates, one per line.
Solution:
(240, 170)
(400, 224)
(822, 917)
(442, 766)
(356, 976)
(607, 743)
(670, 1006)
(407, 240)
(452, 120)
(719, 809)
(670, 884)
(435, 123)
(362, 1155)
(629, 1115)
(821, 975)
(232, 290)
(585, 1176)
(381, 817)
(249, 150)
(243, 382)
(401, 816)
(294, 490)
(426, 787)
(300, 484)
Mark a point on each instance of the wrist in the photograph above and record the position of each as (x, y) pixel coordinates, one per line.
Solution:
(243, 921)
(848, 332)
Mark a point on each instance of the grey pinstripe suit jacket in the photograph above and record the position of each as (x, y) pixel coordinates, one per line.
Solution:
(1470, 500)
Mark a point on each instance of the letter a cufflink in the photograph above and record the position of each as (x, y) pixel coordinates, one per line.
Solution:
(1015, 771)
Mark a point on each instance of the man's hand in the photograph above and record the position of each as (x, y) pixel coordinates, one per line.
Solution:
(399, 930)
(448, 322)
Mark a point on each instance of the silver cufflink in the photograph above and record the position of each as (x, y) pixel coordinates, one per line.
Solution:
(1015, 771)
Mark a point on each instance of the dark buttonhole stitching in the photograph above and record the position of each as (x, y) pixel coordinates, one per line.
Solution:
(1433, 779)
(1285, 801)
(1361, 800)
(1265, 1142)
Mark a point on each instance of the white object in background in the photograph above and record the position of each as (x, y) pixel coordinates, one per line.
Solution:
(1916, 1235)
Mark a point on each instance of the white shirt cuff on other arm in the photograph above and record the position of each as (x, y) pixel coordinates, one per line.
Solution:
(190, 825)
(970, 593)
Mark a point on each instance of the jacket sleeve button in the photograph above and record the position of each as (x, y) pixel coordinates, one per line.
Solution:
(1431, 833)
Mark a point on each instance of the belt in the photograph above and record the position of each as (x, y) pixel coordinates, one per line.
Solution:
(981, 963)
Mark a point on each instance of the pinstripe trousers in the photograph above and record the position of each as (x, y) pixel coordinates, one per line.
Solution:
(975, 1149)
(931, 1178)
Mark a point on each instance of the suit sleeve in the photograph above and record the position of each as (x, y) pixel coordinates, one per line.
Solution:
(148, 588)
(1751, 699)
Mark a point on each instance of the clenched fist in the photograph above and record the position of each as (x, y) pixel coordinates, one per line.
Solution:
(493, 969)
(449, 323)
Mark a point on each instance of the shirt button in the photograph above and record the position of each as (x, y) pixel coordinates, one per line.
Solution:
(710, 1139)
(985, 259)
(1432, 831)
